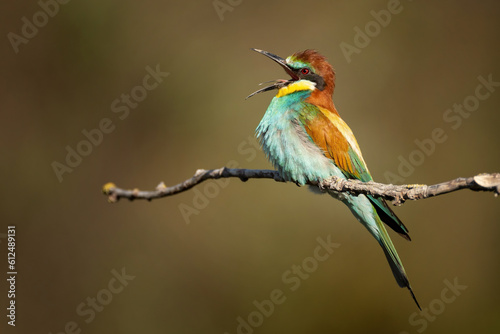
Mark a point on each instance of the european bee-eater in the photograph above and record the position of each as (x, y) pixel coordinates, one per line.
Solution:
(305, 139)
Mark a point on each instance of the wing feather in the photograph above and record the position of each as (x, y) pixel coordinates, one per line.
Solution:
(329, 132)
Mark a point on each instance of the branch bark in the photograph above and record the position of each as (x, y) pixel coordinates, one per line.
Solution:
(398, 194)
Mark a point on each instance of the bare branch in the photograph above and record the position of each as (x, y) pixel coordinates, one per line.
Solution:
(397, 194)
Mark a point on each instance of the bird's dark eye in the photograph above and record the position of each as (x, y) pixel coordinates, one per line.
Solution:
(304, 71)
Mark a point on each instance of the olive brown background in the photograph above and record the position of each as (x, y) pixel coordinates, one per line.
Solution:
(203, 260)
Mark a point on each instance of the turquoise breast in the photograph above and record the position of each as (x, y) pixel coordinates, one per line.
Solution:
(288, 146)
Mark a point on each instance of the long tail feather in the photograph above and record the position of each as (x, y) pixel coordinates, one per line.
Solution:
(393, 258)
(364, 210)
(397, 268)
(414, 298)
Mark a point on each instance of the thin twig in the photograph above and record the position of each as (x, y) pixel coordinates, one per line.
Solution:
(398, 194)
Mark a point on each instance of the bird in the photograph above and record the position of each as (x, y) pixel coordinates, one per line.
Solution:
(306, 140)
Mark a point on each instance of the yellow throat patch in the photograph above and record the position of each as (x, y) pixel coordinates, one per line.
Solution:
(295, 87)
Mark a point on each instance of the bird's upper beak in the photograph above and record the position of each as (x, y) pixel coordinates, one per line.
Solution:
(278, 83)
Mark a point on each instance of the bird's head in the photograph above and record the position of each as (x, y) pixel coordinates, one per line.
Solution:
(307, 68)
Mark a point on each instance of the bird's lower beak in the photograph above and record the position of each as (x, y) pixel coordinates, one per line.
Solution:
(278, 83)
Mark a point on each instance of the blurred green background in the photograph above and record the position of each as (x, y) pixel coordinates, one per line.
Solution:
(199, 274)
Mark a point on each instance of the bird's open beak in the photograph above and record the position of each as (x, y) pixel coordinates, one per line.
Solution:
(280, 61)
(278, 83)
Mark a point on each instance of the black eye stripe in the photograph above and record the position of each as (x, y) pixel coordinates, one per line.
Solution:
(320, 83)
(311, 76)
